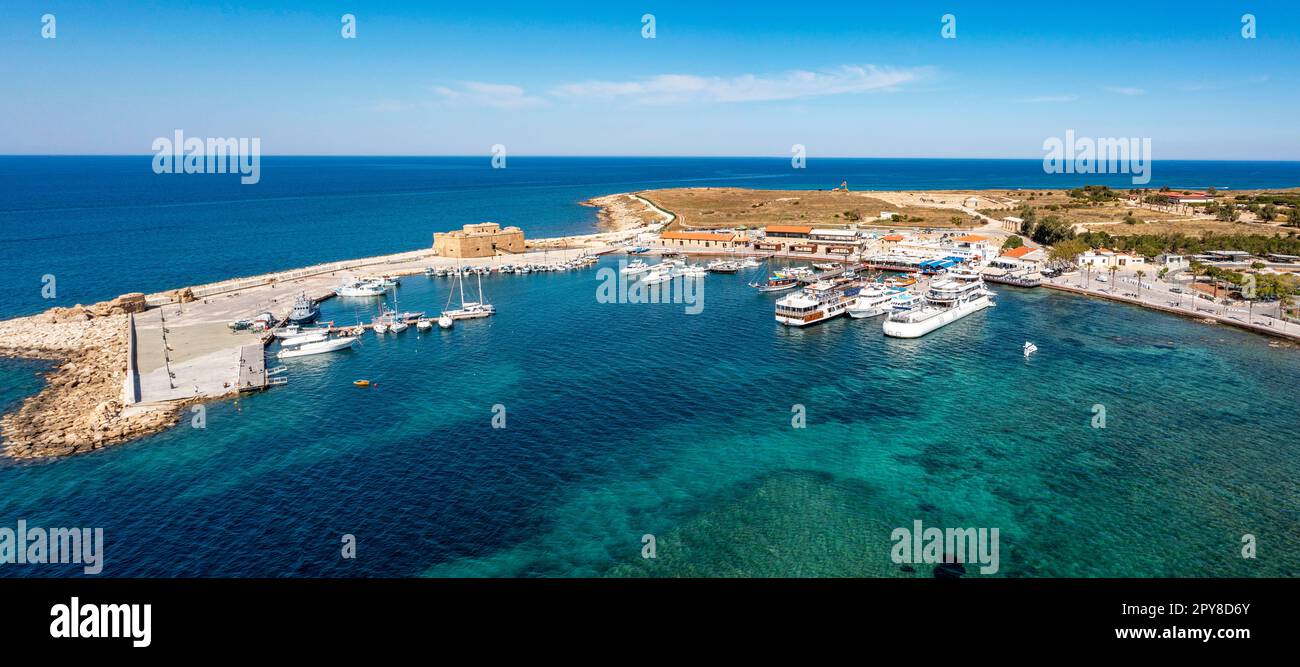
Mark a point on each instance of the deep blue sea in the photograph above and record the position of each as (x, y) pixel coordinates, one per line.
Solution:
(630, 419)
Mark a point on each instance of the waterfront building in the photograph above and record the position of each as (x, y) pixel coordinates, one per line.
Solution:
(1102, 258)
(797, 232)
(1023, 257)
(973, 246)
(837, 241)
(1172, 262)
(483, 239)
(703, 240)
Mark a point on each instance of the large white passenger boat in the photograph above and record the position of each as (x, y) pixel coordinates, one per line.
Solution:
(872, 301)
(815, 303)
(948, 299)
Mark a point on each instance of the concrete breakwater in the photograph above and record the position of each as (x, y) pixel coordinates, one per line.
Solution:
(80, 409)
(119, 378)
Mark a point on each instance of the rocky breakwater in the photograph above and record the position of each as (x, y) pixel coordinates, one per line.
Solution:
(80, 408)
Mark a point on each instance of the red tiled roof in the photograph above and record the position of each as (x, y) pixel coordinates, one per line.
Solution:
(697, 236)
(789, 229)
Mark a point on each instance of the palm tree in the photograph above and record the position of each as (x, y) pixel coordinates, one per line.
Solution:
(1113, 270)
(1140, 274)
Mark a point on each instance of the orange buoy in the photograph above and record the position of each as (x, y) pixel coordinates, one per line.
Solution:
(362, 383)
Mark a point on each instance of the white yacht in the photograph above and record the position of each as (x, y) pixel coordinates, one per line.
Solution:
(872, 301)
(359, 288)
(316, 348)
(815, 303)
(948, 299)
(659, 273)
(634, 267)
(423, 324)
(446, 322)
(303, 339)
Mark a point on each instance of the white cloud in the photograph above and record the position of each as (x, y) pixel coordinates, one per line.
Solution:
(1047, 99)
(496, 95)
(1125, 90)
(679, 88)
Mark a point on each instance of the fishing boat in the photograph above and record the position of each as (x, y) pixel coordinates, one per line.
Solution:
(359, 288)
(1030, 348)
(870, 302)
(947, 300)
(305, 311)
(815, 303)
(468, 309)
(321, 347)
(634, 267)
(776, 283)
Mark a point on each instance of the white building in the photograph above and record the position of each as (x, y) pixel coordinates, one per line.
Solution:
(1105, 259)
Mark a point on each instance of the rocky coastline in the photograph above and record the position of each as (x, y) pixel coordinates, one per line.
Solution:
(80, 407)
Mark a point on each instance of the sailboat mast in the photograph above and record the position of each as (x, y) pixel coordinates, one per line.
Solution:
(460, 279)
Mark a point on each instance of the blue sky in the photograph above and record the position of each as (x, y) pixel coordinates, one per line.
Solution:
(843, 79)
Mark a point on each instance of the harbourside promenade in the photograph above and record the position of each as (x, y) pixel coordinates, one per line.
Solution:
(1158, 297)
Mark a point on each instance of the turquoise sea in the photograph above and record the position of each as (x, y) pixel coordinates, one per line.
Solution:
(630, 419)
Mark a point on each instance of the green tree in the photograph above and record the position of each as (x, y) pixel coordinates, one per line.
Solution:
(1012, 242)
(1068, 249)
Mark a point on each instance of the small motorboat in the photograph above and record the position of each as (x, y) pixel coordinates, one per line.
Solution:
(423, 324)
(776, 284)
(446, 322)
(362, 383)
(1030, 348)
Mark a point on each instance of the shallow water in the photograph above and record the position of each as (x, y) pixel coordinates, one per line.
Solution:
(628, 419)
